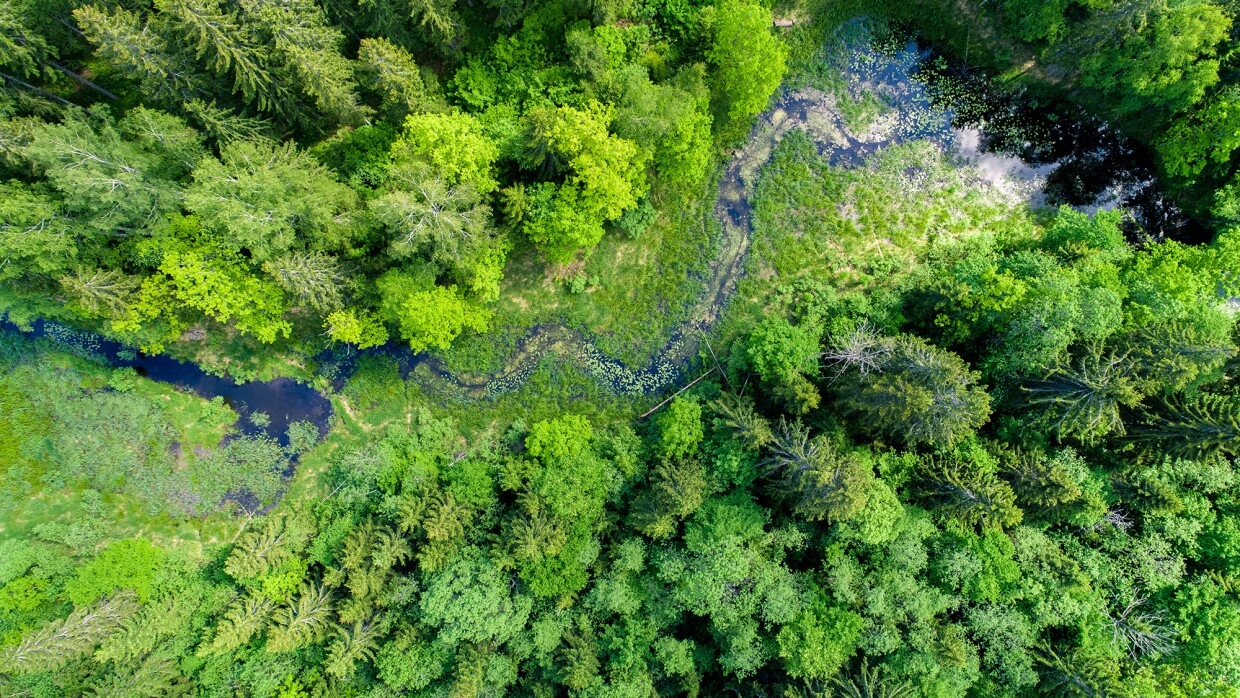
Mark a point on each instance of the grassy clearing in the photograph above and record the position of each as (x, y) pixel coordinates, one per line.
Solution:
(34, 376)
(849, 229)
(627, 296)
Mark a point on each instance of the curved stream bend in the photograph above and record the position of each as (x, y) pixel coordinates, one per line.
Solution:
(912, 117)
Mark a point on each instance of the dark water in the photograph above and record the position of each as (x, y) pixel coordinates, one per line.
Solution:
(1089, 163)
(283, 400)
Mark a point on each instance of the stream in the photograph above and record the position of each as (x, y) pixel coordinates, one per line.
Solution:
(1047, 154)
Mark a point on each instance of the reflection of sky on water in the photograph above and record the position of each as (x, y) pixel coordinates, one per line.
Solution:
(1047, 155)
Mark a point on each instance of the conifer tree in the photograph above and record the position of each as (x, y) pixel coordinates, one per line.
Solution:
(1173, 356)
(920, 394)
(22, 52)
(302, 621)
(1084, 399)
(312, 278)
(1059, 488)
(966, 490)
(1197, 427)
(439, 19)
(738, 414)
(124, 40)
(677, 488)
(62, 641)
(155, 677)
(821, 482)
(245, 618)
(579, 665)
(352, 645)
(215, 37)
(389, 71)
(100, 293)
(225, 125)
(307, 51)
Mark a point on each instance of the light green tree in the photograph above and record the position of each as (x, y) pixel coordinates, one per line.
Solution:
(430, 318)
(359, 327)
(453, 146)
(748, 61)
(605, 176)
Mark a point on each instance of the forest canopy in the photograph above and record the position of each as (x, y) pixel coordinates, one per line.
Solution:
(920, 440)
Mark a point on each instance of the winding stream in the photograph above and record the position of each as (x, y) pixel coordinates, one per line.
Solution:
(1035, 153)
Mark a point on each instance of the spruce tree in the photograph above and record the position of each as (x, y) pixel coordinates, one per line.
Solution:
(389, 71)
(1084, 399)
(915, 392)
(1197, 427)
(302, 621)
(124, 40)
(245, 618)
(61, 641)
(310, 278)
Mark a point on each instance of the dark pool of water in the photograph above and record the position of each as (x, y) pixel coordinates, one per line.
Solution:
(283, 400)
(1090, 163)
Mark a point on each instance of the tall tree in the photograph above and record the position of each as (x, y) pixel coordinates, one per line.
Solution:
(919, 394)
(61, 641)
(270, 200)
(749, 61)
(1084, 399)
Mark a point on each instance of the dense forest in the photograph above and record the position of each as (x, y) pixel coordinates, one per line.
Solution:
(932, 439)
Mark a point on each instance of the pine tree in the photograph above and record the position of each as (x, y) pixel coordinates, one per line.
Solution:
(215, 36)
(226, 126)
(1061, 487)
(114, 177)
(968, 492)
(313, 278)
(1173, 356)
(677, 488)
(370, 553)
(301, 622)
(125, 41)
(245, 618)
(155, 623)
(22, 52)
(533, 536)
(738, 414)
(307, 50)
(155, 677)
(1084, 399)
(267, 546)
(62, 641)
(352, 645)
(100, 293)
(821, 482)
(1075, 673)
(389, 71)
(439, 19)
(915, 392)
(1197, 427)
(867, 683)
(578, 660)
